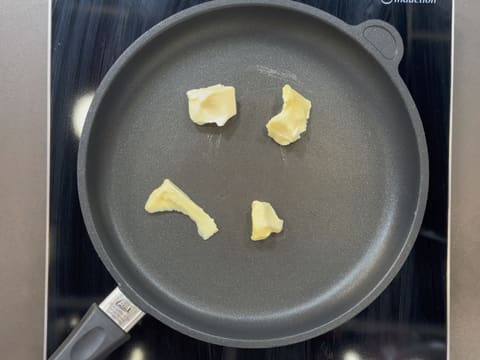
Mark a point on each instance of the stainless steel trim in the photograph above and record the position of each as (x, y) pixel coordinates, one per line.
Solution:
(47, 211)
(121, 310)
(449, 215)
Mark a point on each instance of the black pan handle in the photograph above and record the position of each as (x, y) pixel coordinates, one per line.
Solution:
(383, 40)
(102, 329)
(94, 337)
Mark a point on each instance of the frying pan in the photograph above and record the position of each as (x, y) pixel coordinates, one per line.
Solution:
(352, 191)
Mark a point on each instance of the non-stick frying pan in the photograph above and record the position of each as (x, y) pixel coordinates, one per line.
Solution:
(352, 191)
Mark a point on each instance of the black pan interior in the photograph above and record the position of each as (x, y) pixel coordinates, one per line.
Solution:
(349, 190)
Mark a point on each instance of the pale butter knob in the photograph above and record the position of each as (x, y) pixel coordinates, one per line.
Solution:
(212, 105)
(265, 220)
(287, 126)
(169, 197)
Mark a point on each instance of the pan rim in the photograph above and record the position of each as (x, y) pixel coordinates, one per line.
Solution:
(349, 30)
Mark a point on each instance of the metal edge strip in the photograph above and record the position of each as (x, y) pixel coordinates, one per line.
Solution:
(47, 200)
(449, 213)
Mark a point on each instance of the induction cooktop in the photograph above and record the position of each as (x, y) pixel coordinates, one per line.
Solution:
(407, 321)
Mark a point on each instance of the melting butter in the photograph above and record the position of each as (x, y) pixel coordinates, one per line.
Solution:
(169, 197)
(265, 220)
(212, 105)
(287, 126)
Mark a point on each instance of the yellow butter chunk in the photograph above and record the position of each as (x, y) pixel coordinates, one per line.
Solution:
(169, 197)
(212, 105)
(287, 126)
(264, 220)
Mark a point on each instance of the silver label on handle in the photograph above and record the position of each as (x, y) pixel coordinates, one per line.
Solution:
(121, 310)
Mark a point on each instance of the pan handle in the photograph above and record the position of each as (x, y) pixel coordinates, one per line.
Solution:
(383, 39)
(102, 329)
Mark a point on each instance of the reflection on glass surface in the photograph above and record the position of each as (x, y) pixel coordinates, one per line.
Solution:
(73, 321)
(137, 353)
(79, 113)
(407, 321)
(351, 355)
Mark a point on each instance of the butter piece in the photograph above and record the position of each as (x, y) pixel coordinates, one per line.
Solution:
(286, 127)
(169, 197)
(214, 104)
(264, 220)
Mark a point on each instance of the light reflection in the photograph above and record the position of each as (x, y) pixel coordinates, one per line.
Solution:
(351, 355)
(73, 321)
(80, 110)
(137, 354)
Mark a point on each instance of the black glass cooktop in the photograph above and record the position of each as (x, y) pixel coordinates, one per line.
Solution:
(406, 322)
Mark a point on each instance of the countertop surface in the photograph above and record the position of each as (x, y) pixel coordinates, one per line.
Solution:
(464, 306)
(23, 181)
(23, 178)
